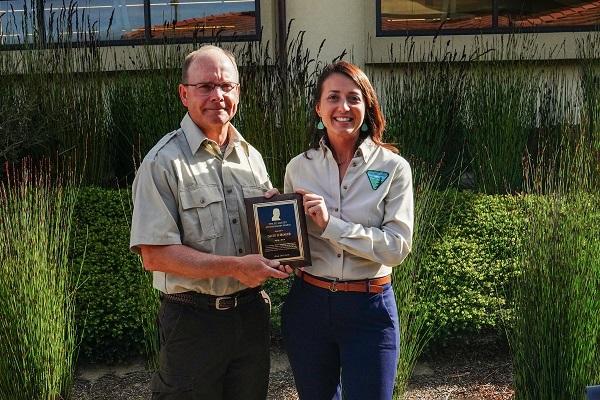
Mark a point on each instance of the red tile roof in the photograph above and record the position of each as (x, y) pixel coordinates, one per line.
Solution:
(585, 15)
(228, 24)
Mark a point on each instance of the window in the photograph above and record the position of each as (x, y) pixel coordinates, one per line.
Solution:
(126, 21)
(428, 17)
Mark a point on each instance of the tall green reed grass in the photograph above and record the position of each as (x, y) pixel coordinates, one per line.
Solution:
(589, 51)
(275, 112)
(412, 282)
(37, 286)
(112, 106)
(499, 116)
(421, 101)
(53, 102)
(556, 330)
(555, 334)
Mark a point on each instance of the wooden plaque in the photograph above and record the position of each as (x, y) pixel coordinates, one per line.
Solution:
(277, 228)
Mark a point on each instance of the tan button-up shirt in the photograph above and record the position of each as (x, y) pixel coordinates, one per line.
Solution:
(187, 192)
(371, 212)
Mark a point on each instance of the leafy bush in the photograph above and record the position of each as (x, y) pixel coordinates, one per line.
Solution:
(471, 258)
(472, 263)
(116, 306)
(110, 307)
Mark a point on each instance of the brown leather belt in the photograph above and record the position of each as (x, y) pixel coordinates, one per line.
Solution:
(374, 285)
(206, 301)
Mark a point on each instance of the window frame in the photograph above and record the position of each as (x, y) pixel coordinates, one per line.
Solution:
(147, 38)
(495, 29)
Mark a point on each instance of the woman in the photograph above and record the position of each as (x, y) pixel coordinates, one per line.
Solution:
(340, 322)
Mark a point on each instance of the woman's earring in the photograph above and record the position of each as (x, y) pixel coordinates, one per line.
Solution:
(364, 127)
(320, 125)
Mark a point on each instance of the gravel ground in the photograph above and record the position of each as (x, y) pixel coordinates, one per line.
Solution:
(483, 372)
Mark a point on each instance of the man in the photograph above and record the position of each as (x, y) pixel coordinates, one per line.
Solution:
(189, 226)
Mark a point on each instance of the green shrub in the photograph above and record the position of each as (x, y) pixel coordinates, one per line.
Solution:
(277, 290)
(110, 309)
(116, 307)
(472, 258)
(472, 263)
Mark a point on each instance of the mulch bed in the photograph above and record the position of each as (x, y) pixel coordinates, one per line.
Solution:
(480, 371)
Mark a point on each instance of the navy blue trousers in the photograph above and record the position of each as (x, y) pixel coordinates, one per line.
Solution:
(342, 344)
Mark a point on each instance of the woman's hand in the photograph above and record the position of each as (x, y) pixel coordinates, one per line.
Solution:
(315, 208)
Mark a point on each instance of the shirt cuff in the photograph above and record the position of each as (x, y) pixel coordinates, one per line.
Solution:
(334, 229)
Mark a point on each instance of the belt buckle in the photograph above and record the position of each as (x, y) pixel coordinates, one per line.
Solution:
(220, 307)
(332, 286)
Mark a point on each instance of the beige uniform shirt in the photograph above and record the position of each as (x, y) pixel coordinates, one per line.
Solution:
(371, 212)
(187, 192)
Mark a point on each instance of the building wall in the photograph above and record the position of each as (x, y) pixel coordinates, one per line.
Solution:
(350, 25)
(341, 23)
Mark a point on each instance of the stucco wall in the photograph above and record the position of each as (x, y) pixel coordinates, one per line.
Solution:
(351, 25)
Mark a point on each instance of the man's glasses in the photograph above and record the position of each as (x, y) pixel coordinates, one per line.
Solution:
(206, 88)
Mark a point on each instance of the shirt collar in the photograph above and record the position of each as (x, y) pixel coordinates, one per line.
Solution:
(195, 137)
(365, 149)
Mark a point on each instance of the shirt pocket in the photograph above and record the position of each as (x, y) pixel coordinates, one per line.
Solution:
(253, 191)
(202, 213)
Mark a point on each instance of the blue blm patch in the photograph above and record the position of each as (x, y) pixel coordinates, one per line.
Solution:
(376, 178)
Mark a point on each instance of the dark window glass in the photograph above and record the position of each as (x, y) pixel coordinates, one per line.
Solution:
(548, 13)
(99, 19)
(114, 20)
(473, 16)
(16, 22)
(411, 15)
(188, 18)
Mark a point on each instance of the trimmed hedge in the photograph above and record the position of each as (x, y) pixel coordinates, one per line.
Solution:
(471, 263)
(110, 307)
(114, 294)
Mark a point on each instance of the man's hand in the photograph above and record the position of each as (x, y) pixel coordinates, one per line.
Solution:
(253, 270)
(315, 208)
(285, 268)
(270, 193)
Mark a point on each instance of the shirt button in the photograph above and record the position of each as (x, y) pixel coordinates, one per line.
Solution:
(234, 221)
(339, 255)
(240, 251)
(229, 191)
(345, 187)
(354, 164)
(336, 209)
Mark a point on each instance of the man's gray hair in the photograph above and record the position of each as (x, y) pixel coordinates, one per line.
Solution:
(194, 55)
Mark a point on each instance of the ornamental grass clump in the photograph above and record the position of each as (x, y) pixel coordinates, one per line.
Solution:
(555, 335)
(556, 331)
(499, 115)
(37, 283)
(589, 52)
(275, 112)
(412, 282)
(53, 102)
(421, 100)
